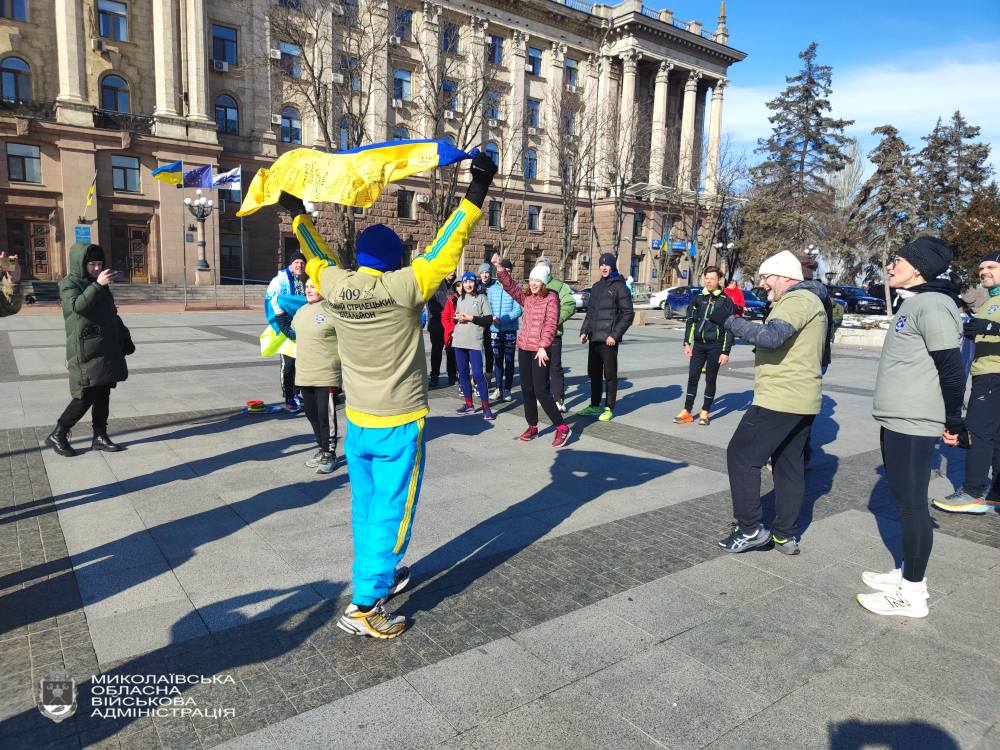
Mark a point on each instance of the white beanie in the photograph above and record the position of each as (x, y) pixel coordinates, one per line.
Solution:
(540, 273)
(783, 264)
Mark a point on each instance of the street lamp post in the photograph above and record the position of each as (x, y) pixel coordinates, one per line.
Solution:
(201, 208)
(829, 278)
(719, 247)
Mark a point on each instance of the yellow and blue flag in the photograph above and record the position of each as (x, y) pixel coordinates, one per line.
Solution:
(350, 178)
(92, 190)
(172, 173)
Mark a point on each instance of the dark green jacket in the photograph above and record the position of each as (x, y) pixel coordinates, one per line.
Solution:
(95, 339)
(567, 304)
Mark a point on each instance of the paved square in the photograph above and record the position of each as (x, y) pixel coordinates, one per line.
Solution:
(562, 599)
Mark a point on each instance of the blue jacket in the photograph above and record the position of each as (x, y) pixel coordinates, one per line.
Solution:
(504, 308)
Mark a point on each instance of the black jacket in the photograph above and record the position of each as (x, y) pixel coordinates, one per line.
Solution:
(699, 329)
(609, 312)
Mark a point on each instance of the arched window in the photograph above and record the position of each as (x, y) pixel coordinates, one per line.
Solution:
(227, 115)
(345, 134)
(15, 80)
(493, 151)
(530, 164)
(400, 133)
(291, 125)
(114, 94)
(449, 139)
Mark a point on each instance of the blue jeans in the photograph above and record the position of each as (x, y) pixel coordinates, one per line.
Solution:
(474, 357)
(504, 349)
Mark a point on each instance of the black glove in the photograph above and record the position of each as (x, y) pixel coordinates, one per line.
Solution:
(482, 169)
(981, 327)
(722, 309)
(291, 203)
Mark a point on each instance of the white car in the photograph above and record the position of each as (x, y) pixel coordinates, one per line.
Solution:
(659, 299)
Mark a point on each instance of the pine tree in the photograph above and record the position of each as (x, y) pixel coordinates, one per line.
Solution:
(951, 167)
(806, 146)
(976, 230)
(882, 212)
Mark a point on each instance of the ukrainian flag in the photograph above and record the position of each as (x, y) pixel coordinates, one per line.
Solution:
(350, 178)
(172, 173)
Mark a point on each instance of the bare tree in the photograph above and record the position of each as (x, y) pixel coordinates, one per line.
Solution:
(711, 209)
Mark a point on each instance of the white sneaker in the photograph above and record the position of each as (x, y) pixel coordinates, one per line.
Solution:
(495, 394)
(561, 406)
(508, 396)
(886, 581)
(900, 602)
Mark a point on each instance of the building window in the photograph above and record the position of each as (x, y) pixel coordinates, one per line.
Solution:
(125, 174)
(230, 250)
(404, 204)
(491, 105)
(449, 38)
(345, 134)
(349, 68)
(535, 61)
(114, 94)
(449, 93)
(570, 71)
(401, 85)
(291, 125)
(15, 80)
(496, 207)
(400, 133)
(291, 59)
(227, 115)
(530, 164)
(404, 24)
(637, 223)
(568, 122)
(224, 44)
(534, 218)
(532, 112)
(566, 169)
(350, 12)
(112, 18)
(493, 151)
(14, 10)
(494, 50)
(231, 195)
(24, 163)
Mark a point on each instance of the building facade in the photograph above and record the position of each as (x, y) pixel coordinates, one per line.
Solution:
(136, 84)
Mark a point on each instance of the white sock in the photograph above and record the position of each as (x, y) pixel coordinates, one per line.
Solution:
(909, 587)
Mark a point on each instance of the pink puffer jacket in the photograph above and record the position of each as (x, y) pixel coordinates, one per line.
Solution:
(540, 318)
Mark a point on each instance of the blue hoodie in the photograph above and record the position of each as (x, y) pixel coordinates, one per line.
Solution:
(504, 308)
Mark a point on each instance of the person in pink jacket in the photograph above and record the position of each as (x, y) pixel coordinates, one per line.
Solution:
(536, 334)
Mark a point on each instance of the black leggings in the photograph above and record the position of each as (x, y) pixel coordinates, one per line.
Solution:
(436, 331)
(98, 397)
(907, 460)
(535, 385)
(316, 402)
(707, 356)
(983, 421)
(603, 359)
(287, 376)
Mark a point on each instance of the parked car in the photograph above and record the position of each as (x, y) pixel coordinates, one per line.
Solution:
(582, 298)
(857, 300)
(754, 307)
(659, 299)
(678, 299)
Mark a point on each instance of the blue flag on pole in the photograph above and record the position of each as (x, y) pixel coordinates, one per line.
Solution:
(200, 177)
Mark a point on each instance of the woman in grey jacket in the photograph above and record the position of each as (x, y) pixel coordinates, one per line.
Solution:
(473, 316)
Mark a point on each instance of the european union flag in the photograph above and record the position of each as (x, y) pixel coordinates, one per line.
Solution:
(201, 177)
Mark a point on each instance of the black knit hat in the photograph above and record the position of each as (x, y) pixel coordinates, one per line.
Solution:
(94, 252)
(296, 256)
(931, 256)
(991, 257)
(608, 259)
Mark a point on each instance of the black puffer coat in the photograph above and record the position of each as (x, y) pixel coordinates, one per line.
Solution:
(609, 312)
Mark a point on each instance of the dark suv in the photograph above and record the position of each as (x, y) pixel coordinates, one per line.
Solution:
(857, 300)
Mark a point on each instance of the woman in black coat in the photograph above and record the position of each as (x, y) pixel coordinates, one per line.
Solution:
(96, 344)
(609, 314)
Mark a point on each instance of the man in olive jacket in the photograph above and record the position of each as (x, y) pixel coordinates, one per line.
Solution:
(96, 344)
(567, 306)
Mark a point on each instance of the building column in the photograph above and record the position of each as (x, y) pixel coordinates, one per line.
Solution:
(377, 115)
(554, 106)
(72, 102)
(201, 126)
(626, 106)
(687, 130)
(512, 148)
(714, 139)
(659, 135)
(169, 121)
(603, 117)
(430, 42)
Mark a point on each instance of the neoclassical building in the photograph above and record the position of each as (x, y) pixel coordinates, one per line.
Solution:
(103, 92)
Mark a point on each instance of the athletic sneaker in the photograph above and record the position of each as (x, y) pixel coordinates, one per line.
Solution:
(562, 436)
(313, 462)
(327, 464)
(495, 394)
(488, 414)
(787, 546)
(741, 540)
(561, 406)
(299, 400)
(292, 406)
(591, 411)
(908, 602)
(882, 581)
(704, 419)
(508, 396)
(607, 415)
(961, 501)
(375, 623)
(685, 417)
(529, 434)
(399, 582)
(466, 409)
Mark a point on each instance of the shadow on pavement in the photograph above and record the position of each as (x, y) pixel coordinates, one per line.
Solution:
(910, 735)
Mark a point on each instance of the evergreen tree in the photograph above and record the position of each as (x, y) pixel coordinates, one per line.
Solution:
(882, 212)
(976, 230)
(951, 167)
(791, 185)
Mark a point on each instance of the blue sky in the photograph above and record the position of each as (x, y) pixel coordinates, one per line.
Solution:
(904, 63)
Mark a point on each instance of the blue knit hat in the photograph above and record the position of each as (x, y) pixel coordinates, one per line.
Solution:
(468, 276)
(380, 248)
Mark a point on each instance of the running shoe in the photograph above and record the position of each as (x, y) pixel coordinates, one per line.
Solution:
(466, 409)
(400, 582)
(508, 396)
(704, 419)
(785, 545)
(313, 462)
(529, 434)
(899, 602)
(882, 581)
(488, 414)
(292, 406)
(375, 623)
(961, 501)
(561, 406)
(327, 464)
(591, 411)
(562, 436)
(741, 540)
(495, 394)
(607, 415)
(685, 417)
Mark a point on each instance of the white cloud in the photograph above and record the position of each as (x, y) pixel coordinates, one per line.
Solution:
(910, 95)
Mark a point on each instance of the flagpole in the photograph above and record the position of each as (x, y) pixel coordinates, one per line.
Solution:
(184, 270)
(243, 264)
(217, 276)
